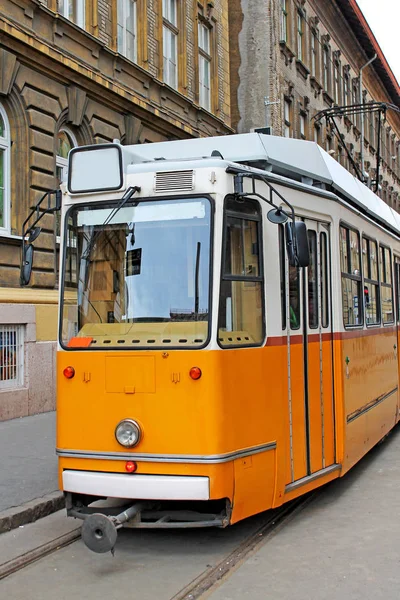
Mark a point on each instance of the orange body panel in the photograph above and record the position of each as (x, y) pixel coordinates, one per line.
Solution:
(241, 401)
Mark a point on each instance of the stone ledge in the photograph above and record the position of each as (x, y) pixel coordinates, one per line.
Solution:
(31, 511)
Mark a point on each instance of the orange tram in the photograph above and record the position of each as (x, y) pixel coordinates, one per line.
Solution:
(228, 337)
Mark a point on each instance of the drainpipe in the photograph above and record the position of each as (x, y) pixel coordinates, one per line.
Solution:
(362, 116)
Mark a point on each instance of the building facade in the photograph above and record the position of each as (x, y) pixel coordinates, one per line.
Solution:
(291, 59)
(75, 72)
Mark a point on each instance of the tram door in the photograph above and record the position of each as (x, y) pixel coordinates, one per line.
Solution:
(310, 350)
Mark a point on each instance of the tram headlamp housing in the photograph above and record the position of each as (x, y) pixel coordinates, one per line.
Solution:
(128, 433)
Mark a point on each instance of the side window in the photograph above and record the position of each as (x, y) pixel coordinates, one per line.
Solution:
(312, 281)
(386, 285)
(323, 242)
(371, 283)
(351, 276)
(240, 321)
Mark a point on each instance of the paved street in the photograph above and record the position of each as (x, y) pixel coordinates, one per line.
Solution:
(343, 545)
(28, 466)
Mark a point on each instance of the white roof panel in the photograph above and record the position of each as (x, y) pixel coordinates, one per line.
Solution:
(295, 158)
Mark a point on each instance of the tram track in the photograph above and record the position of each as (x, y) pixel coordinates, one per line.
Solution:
(213, 576)
(208, 579)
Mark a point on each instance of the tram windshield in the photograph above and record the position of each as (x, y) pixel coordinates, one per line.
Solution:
(138, 276)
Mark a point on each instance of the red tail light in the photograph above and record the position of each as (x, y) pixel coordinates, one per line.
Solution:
(131, 466)
(69, 372)
(195, 373)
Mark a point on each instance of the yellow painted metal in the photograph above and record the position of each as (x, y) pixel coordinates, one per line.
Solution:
(241, 401)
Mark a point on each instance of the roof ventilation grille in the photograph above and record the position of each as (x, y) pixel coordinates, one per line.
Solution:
(174, 181)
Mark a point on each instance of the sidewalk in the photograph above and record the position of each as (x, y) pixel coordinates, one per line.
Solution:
(345, 545)
(28, 467)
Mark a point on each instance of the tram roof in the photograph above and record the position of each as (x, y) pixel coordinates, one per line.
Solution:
(296, 159)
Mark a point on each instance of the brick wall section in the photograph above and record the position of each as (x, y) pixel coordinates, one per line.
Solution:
(105, 22)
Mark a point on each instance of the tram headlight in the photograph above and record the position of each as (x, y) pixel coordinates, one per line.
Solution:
(128, 433)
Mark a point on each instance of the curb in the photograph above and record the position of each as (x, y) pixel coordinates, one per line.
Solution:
(31, 511)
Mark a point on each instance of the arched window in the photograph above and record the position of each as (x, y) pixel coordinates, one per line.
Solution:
(65, 142)
(4, 172)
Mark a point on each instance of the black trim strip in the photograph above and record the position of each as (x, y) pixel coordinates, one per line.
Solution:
(361, 411)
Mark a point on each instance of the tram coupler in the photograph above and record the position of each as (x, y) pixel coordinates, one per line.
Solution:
(99, 532)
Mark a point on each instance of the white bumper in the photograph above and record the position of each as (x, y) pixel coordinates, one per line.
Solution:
(136, 487)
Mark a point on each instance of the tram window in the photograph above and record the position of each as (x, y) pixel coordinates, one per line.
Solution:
(386, 285)
(371, 283)
(282, 270)
(312, 281)
(241, 298)
(351, 276)
(324, 280)
(294, 297)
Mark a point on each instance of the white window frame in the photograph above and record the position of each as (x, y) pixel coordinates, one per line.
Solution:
(303, 126)
(286, 118)
(123, 7)
(170, 42)
(300, 35)
(284, 21)
(64, 9)
(204, 65)
(5, 148)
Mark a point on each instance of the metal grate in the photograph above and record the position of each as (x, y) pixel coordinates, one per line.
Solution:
(11, 355)
(174, 181)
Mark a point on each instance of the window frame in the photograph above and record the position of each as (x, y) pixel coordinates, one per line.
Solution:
(5, 149)
(383, 283)
(367, 279)
(300, 36)
(315, 53)
(205, 57)
(62, 282)
(348, 227)
(81, 12)
(172, 29)
(287, 123)
(123, 51)
(242, 278)
(284, 22)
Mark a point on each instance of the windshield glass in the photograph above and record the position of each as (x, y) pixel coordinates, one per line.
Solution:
(137, 276)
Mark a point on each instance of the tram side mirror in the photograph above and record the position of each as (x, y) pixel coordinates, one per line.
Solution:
(27, 262)
(297, 244)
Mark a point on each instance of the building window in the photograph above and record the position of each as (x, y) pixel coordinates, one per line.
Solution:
(5, 144)
(287, 118)
(284, 21)
(336, 82)
(315, 53)
(74, 10)
(303, 126)
(317, 134)
(11, 356)
(127, 20)
(204, 66)
(300, 35)
(350, 262)
(326, 74)
(346, 87)
(170, 42)
(65, 142)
